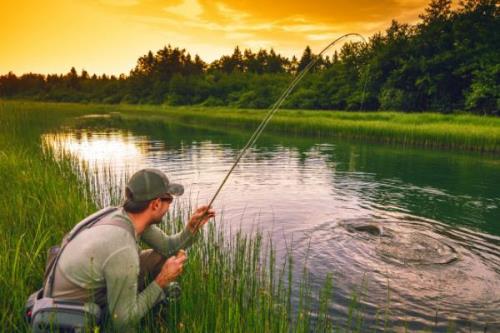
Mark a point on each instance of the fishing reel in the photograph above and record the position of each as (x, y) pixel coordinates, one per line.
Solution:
(173, 292)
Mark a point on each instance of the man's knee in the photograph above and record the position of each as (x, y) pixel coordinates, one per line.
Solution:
(151, 263)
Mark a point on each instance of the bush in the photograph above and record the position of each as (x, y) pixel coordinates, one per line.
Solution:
(397, 99)
(484, 93)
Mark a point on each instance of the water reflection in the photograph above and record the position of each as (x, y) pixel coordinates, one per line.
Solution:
(114, 149)
(356, 211)
(102, 158)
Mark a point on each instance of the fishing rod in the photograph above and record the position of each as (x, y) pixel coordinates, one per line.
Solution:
(274, 108)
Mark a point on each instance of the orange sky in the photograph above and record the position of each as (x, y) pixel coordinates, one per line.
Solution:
(107, 36)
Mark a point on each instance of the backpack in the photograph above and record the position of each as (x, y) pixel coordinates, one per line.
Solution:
(46, 314)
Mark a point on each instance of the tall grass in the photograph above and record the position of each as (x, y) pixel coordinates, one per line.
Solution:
(40, 201)
(463, 132)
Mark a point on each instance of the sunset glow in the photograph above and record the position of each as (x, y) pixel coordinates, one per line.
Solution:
(107, 36)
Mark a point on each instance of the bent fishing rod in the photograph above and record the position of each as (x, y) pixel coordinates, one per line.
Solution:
(274, 108)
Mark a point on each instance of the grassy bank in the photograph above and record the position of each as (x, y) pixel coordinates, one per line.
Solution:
(41, 201)
(230, 284)
(431, 130)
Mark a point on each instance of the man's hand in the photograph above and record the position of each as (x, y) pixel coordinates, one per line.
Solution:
(200, 216)
(171, 269)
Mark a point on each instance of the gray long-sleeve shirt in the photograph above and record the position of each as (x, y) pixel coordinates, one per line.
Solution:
(101, 264)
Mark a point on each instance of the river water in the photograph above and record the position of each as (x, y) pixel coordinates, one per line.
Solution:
(417, 232)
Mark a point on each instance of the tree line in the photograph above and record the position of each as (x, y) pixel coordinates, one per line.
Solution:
(448, 61)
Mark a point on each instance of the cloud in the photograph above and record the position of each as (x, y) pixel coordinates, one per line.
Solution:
(305, 27)
(325, 11)
(187, 9)
(287, 25)
(231, 13)
(257, 44)
(239, 35)
(120, 2)
(313, 20)
(325, 36)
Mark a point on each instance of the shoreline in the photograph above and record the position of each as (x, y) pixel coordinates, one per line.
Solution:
(458, 132)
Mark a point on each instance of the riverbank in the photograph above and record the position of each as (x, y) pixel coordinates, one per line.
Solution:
(41, 200)
(430, 130)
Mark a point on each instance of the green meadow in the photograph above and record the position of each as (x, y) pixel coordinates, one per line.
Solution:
(232, 283)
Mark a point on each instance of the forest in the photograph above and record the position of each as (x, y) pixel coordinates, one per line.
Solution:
(446, 62)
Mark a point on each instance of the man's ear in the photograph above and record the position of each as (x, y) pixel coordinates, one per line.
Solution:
(155, 204)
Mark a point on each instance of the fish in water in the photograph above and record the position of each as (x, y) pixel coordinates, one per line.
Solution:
(369, 227)
(372, 229)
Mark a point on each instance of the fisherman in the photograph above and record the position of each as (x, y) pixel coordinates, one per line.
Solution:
(105, 265)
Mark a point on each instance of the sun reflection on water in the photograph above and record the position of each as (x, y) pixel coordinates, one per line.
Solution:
(101, 157)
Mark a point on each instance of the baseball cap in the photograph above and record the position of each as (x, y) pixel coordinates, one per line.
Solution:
(148, 184)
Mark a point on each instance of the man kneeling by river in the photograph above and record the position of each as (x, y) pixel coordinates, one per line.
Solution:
(104, 264)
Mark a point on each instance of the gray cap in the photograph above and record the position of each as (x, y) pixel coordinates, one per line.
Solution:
(148, 184)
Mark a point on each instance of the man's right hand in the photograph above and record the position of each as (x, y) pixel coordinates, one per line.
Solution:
(171, 269)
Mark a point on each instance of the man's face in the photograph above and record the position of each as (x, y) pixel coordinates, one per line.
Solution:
(159, 208)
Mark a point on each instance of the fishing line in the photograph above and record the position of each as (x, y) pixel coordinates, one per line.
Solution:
(274, 108)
